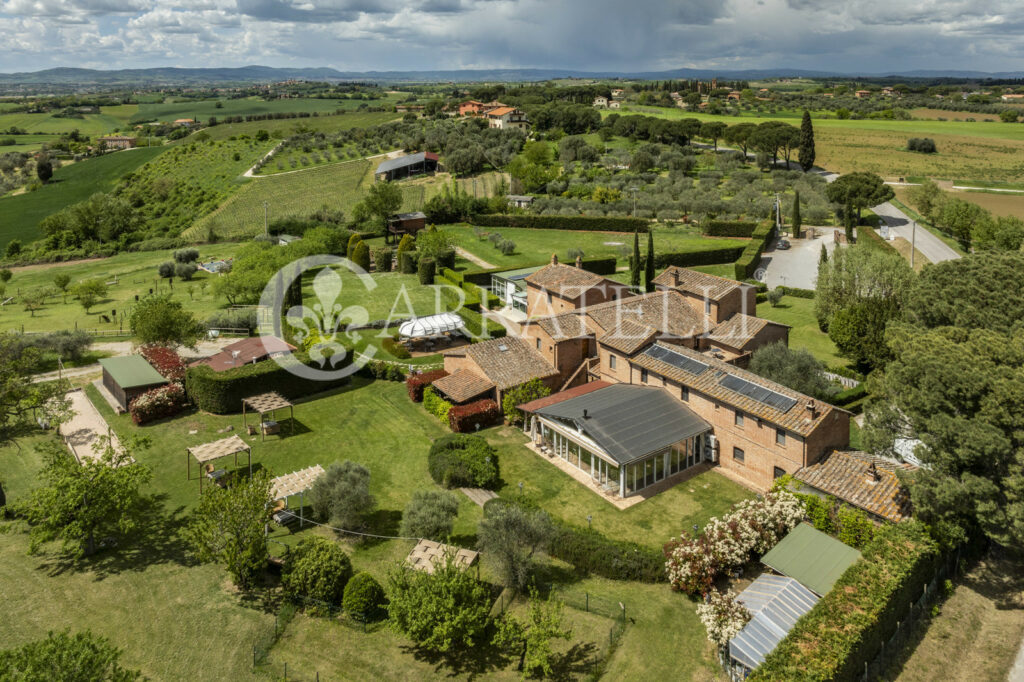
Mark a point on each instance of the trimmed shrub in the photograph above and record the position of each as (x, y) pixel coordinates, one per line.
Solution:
(222, 392)
(384, 371)
(730, 228)
(425, 271)
(316, 570)
(435, 404)
(601, 266)
(562, 222)
(361, 256)
(364, 597)
(416, 383)
(479, 414)
(849, 395)
(158, 403)
(798, 293)
(382, 259)
(591, 552)
(463, 460)
(446, 259)
(407, 262)
(396, 349)
(746, 265)
(353, 240)
(481, 327)
(688, 259)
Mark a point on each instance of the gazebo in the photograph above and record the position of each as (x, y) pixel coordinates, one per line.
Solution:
(267, 403)
(427, 553)
(426, 329)
(207, 452)
(295, 483)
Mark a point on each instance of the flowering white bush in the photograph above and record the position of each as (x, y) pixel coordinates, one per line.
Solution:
(722, 616)
(753, 526)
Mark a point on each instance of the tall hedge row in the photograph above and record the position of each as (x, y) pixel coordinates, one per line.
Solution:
(222, 392)
(746, 264)
(726, 254)
(563, 222)
(730, 228)
(598, 266)
(847, 627)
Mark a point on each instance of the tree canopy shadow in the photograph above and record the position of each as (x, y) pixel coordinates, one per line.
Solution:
(471, 662)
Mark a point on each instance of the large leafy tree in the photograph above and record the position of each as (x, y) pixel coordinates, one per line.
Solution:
(441, 611)
(64, 657)
(228, 527)
(518, 395)
(82, 503)
(510, 536)
(164, 321)
(342, 495)
(382, 200)
(20, 397)
(317, 570)
(430, 514)
(860, 190)
(961, 218)
(806, 153)
(792, 367)
(530, 638)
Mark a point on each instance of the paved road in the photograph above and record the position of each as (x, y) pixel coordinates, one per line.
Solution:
(798, 265)
(933, 248)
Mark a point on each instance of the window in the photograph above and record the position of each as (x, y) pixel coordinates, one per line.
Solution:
(779, 472)
(643, 376)
(611, 361)
(738, 455)
(549, 299)
(707, 306)
(684, 393)
(739, 418)
(780, 437)
(538, 343)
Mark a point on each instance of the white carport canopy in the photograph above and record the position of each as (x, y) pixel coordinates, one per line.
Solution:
(432, 325)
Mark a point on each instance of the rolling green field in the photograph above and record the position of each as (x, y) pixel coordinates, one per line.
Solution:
(288, 126)
(168, 614)
(135, 274)
(26, 143)
(536, 246)
(76, 182)
(203, 110)
(106, 121)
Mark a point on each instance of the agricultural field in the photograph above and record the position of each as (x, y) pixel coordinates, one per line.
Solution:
(192, 609)
(69, 184)
(108, 120)
(204, 109)
(128, 275)
(943, 115)
(536, 246)
(25, 143)
(286, 127)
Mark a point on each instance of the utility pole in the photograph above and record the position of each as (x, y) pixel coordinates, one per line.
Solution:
(633, 190)
(913, 241)
(266, 224)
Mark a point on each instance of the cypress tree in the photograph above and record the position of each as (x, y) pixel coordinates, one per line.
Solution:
(848, 222)
(823, 258)
(806, 153)
(795, 218)
(649, 270)
(634, 265)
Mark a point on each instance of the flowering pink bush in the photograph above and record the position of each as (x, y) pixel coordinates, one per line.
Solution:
(157, 403)
(752, 527)
(723, 617)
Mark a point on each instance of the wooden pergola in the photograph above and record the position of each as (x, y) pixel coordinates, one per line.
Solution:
(207, 452)
(295, 483)
(267, 403)
(427, 554)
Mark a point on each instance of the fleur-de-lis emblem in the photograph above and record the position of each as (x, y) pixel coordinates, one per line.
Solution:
(325, 319)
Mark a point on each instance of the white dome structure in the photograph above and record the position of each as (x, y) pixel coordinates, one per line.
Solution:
(432, 325)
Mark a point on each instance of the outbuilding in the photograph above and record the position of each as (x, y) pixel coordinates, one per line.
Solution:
(127, 377)
(405, 166)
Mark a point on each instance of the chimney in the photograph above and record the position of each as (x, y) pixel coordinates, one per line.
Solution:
(812, 409)
(554, 259)
(675, 277)
(873, 475)
(579, 262)
(585, 413)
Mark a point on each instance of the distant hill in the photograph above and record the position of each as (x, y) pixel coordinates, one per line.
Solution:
(262, 74)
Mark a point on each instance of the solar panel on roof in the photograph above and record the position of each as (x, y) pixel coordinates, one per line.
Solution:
(761, 394)
(677, 360)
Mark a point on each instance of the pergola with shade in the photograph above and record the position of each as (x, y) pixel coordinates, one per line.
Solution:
(267, 403)
(431, 328)
(426, 555)
(295, 483)
(207, 452)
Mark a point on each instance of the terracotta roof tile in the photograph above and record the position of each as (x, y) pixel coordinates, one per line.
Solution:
(847, 475)
(509, 361)
(564, 326)
(629, 336)
(563, 395)
(462, 385)
(697, 283)
(666, 311)
(738, 330)
(566, 281)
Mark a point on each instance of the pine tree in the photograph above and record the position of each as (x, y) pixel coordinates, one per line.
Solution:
(806, 153)
(649, 270)
(795, 219)
(634, 265)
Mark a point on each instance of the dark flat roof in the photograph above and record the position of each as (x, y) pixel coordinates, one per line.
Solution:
(132, 371)
(628, 422)
(403, 161)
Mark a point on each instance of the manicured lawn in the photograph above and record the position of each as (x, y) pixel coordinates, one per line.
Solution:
(393, 296)
(135, 274)
(536, 246)
(798, 313)
(76, 182)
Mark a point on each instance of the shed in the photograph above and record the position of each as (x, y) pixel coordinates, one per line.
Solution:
(407, 223)
(775, 604)
(404, 166)
(813, 558)
(129, 376)
(519, 200)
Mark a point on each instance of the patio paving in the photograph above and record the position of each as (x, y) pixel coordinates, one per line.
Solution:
(85, 427)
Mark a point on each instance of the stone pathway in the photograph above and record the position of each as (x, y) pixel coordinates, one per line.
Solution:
(85, 427)
(476, 260)
(479, 495)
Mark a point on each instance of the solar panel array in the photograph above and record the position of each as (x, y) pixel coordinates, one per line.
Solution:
(761, 394)
(677, 360)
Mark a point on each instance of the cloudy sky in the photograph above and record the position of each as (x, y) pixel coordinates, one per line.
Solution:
(619, 35)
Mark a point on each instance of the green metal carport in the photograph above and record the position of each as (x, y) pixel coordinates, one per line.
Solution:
(812, 558)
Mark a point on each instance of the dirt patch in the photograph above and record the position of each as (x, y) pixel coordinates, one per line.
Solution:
(943, 115)
(45, 266)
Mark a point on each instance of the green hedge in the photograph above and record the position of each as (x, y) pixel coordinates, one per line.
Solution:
(849, 395)
(463, 460)
(866, 235)
(798, 293)
(746, 264)
(688, 259)
(562, 222)
(222, 392)
(601, 266)
(407, 262)
(846, 628)
(730, 228)
(477, 323)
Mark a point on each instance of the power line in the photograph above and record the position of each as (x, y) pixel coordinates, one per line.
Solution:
(292, 514)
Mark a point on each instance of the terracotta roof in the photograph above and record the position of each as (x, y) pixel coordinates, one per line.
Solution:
(564, 326)
(628, 336)
(565, 280)
(847, 475)
(796, 418)
(666, 311)
(462, 385)
(508, 361)
(500, 111)
(567, 394)
(698, 283)
(249, 350)
(739, 330)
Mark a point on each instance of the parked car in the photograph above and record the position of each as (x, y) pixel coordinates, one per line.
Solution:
(782, 245)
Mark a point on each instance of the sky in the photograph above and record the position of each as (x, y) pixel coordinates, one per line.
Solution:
(851, 36)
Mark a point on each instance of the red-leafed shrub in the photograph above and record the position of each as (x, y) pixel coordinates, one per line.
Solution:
(464, 418)
(165, 360)
(417, 382)
(157, 403)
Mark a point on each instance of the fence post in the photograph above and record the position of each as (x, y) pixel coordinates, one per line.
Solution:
(588, 602)
(254, 655)
(285, 672)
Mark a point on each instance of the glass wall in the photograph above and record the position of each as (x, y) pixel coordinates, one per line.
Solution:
(657, 467)
(607, 475)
